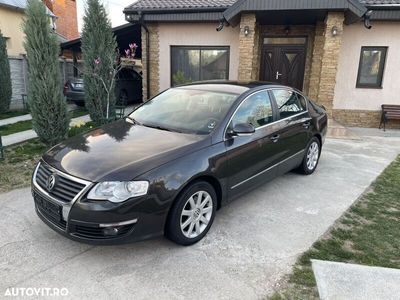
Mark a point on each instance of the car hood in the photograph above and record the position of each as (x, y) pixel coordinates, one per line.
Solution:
(120, 151)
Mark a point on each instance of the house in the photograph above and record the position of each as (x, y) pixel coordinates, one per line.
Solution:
(66, 24)
(12, 13)
(342, 53)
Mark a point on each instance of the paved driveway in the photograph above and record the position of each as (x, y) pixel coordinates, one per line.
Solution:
(252, 244)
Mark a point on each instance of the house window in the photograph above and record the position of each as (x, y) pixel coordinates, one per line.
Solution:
(372, 65)
(190, 64)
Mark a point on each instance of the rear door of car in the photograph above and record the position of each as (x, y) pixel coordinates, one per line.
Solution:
(251, 158)
(294, 125)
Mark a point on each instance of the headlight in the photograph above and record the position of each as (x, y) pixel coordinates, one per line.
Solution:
(117, 191)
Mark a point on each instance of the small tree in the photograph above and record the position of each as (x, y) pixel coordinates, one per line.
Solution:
(100, 56)
(50, 118)
(5, 78)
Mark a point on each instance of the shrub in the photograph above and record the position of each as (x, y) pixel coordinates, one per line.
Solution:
(100, 56)
(50, 118)
(5, 78)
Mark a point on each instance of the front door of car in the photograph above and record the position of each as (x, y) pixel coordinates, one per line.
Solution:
(294, 126)
(251, 157)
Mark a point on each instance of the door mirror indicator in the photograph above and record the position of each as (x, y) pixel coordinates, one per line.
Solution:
(242, 129)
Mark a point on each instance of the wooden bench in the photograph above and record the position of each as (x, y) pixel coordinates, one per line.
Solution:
(389, 112)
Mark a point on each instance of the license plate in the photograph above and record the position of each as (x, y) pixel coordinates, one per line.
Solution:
(48, 207)
(79, 85)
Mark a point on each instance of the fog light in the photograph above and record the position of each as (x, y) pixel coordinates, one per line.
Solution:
(111, 231)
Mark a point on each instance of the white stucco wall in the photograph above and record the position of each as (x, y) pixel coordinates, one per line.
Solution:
(347, 96)
(195, 35)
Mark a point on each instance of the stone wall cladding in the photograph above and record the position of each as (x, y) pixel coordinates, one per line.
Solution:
(154, 61)
(318, 49)
(295, 31)
(330, 60)
(249, 62)
(362, 118)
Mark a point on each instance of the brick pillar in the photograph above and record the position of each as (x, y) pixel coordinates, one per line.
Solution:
(318, 49)
(154, 61)
(330, 60)
(249, 49)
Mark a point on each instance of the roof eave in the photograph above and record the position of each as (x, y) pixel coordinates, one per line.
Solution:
(353, 6)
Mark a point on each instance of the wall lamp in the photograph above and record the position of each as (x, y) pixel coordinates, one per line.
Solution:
(246, 30)
(335, 31)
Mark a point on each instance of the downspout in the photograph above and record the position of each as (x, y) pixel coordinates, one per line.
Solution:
(144, 26)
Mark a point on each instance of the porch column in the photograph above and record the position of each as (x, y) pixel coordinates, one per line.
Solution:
(249, 48)
(154, 57)
(318, 50)
(330, 59)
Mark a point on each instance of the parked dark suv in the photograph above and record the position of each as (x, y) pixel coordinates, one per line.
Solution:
(128, 88)
(175, 160)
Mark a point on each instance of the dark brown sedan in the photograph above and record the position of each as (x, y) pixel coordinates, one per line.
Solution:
(169, 166)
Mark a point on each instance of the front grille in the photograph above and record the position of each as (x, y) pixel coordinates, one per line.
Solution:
(64, 190)
(97, 232)
(52, 212)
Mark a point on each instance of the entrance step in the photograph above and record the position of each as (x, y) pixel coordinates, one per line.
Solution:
(338, 131)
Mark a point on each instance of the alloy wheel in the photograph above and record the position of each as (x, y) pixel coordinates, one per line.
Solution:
(196, 214)
(312, 156)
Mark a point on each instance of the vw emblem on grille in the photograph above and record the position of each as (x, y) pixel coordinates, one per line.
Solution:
(50, 182)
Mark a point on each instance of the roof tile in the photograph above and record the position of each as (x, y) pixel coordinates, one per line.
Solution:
(379, 2)
(180, 4)
(204, 4)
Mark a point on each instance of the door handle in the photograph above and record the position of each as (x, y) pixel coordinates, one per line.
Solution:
(307, 125)
(277, 75)
(275, 138)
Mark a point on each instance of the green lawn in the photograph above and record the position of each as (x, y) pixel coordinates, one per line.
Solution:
(16, 127)
(367, 234)
(20, 160)
(26, 125)
(13, 113)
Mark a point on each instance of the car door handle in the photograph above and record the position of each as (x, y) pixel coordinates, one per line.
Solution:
(307, 125)
(275, 138)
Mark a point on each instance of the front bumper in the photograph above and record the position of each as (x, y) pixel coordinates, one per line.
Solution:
(99, 222)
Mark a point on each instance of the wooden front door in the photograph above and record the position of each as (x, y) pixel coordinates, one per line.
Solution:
(283, 64)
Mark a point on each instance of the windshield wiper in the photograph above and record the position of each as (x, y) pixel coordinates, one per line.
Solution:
(133, 120)
(158, 127)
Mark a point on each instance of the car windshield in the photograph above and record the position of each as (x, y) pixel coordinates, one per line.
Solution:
(185, 110)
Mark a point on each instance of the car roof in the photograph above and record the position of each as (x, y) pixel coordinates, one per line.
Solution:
(228, 86)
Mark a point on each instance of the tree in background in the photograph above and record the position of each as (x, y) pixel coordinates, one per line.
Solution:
(5, 77)
(100, 69)
(50, 118)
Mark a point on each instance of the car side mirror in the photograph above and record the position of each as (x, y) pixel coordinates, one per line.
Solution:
(243, 129)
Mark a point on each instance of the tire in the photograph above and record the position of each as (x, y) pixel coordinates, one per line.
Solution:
(188, 222)
(311, 157)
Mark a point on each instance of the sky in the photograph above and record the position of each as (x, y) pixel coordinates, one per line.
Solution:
(113, 7)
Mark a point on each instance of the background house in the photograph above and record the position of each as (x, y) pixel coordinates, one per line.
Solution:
(67, 20)
(12, 13)
(322, 47)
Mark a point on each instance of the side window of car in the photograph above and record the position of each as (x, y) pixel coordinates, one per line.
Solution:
(302, 101)
(256, 110)
(289, 103)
